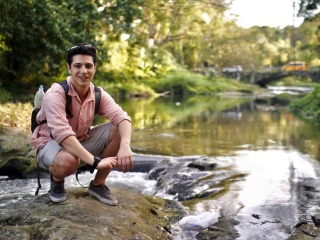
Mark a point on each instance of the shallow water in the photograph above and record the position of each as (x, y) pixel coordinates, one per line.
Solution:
(271, 191)
(17, 187)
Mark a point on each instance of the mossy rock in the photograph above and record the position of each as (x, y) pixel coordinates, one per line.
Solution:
(17, 166)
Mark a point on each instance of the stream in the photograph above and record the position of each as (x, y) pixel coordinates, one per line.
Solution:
(226, 157)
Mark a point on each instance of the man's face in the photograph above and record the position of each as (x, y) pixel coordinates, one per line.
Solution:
(82, 70)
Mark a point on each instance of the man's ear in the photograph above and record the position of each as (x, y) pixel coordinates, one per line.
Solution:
(69, 68)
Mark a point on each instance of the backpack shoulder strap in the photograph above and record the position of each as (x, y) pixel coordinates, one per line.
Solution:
(65, 86)
(97, 95)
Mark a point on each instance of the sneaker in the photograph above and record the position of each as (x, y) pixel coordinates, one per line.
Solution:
(103, 193)
(57, 193)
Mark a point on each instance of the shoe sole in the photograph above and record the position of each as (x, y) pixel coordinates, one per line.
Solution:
(101, 199)
(57, 200)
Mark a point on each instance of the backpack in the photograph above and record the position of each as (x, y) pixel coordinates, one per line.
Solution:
(35, 124)
(64, 84)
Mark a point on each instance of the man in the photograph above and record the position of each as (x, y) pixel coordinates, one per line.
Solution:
(63, 143)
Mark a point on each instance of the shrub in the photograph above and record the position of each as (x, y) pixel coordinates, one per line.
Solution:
(132, 89)
(183, 83)
(308, 106)
(5, 96)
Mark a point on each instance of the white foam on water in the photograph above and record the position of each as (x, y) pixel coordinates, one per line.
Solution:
(188, 227)
(200, 221)
(13, 188)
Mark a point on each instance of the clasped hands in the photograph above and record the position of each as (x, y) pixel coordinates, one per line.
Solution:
(125, 163)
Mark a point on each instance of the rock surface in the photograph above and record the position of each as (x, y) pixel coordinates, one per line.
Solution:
(136, 217)
(17, 157)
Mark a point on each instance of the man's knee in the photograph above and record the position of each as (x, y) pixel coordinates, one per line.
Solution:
(65, 163)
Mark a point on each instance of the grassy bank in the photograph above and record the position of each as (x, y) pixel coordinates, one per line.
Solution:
(177, 82)
(308, 107)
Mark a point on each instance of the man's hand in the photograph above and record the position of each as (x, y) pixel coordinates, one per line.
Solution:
(107, 163)
(125, 158)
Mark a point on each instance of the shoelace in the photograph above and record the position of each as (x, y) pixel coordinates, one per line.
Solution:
(58, 189)
(107, 189)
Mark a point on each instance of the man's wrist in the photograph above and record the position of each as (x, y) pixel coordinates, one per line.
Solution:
(125, 143)
(96, 161)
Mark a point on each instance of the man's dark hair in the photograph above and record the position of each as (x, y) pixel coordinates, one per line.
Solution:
(83, 49)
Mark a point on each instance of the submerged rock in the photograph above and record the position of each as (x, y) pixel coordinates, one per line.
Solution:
(224, 229)
(305, 232)
(137, 216)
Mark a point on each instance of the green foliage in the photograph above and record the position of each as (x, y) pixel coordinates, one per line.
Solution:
(222, 84)
(301, 81)
(5, 96)
(308, 107)
(118, 90)
(126, 63)
(183, 83)
(308, 8)
(159, 61)
(37, 34)
(30, 38)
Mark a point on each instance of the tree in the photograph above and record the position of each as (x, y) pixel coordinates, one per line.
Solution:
(37, 34)
(308, 8)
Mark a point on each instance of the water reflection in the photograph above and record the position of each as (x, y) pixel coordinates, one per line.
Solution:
(273, 192)
(214, 126)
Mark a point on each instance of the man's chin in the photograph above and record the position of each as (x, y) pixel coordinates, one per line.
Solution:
(82, 83)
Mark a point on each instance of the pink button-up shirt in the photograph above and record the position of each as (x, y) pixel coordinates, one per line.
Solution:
(60, 126)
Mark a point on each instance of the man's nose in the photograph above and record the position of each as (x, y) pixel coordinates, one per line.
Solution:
(83, 69)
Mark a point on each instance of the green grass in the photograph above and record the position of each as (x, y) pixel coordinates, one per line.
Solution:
(131, 89)
(295, 81)
(307, 107)
(185, 83)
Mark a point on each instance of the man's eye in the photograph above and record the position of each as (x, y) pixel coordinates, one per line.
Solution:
(77, 66)
(89, 66)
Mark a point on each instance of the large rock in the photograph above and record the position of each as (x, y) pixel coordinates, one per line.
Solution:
(224, 229)
(136, 217)
(17, 157)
